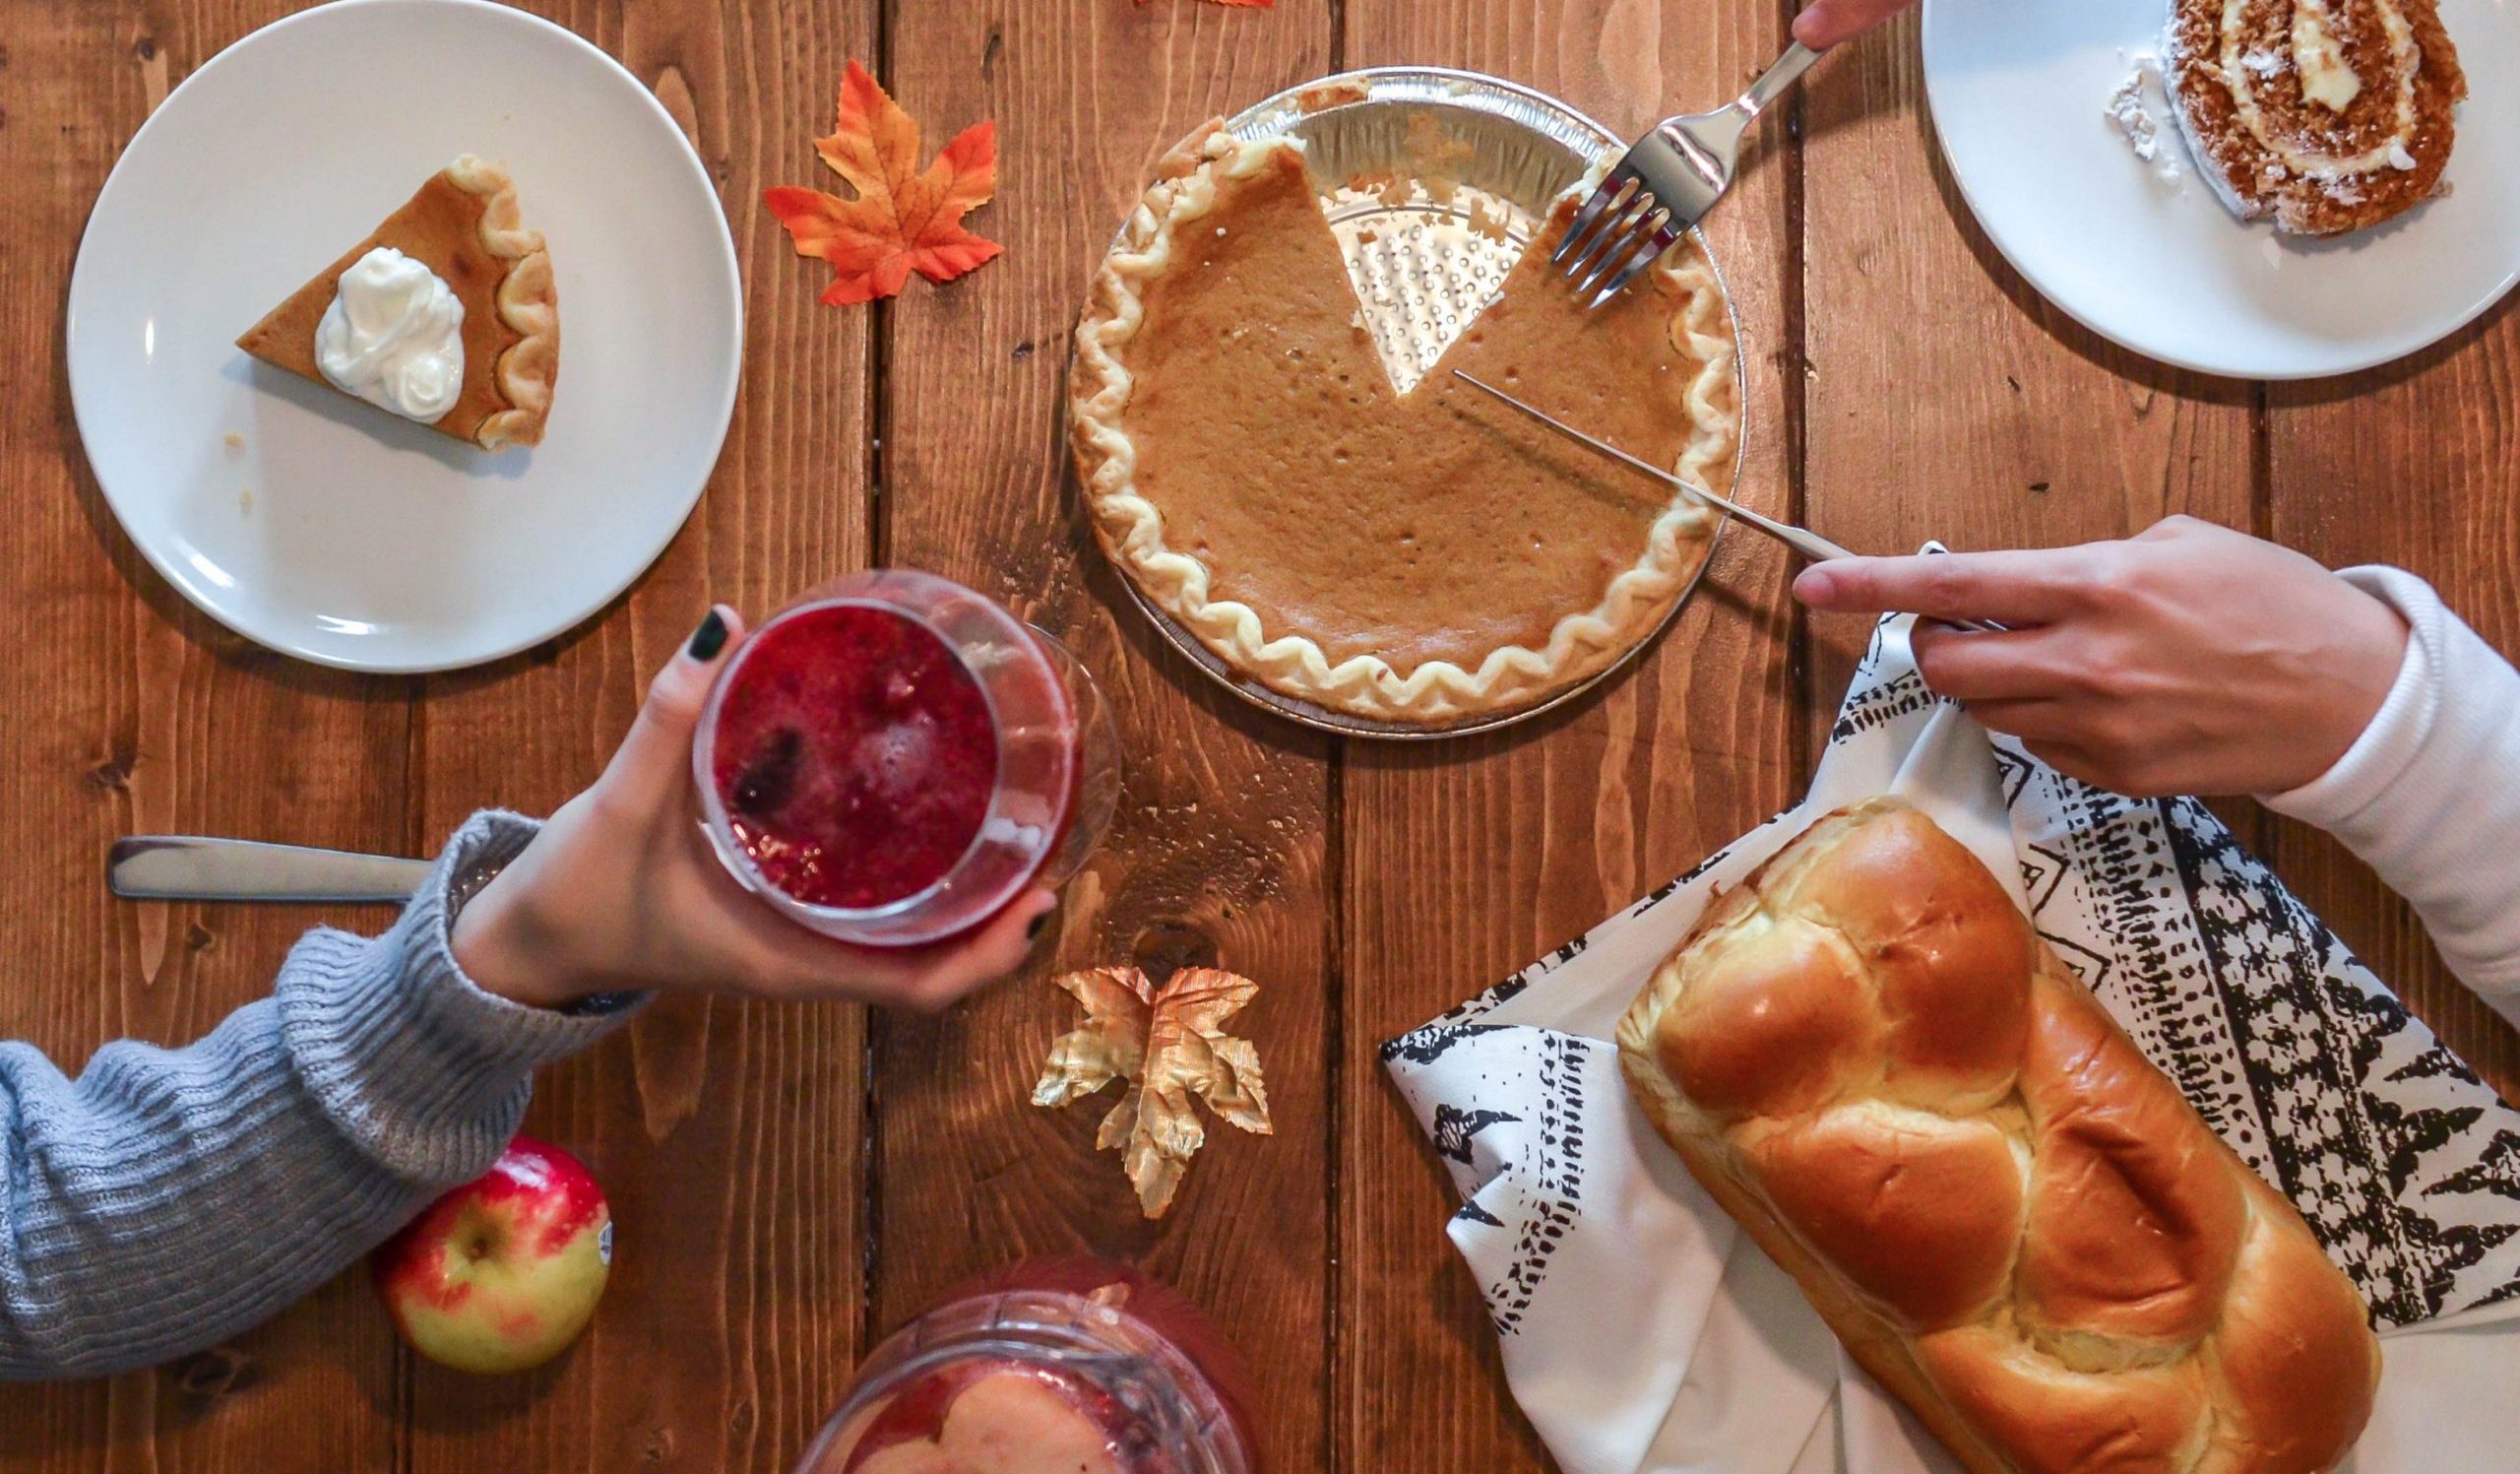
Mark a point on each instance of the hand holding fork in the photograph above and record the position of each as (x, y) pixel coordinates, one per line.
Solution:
(1673, 176)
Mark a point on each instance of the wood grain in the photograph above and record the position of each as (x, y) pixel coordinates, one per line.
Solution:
(1947, 399)
(726, 1136)
(1219, 853)
(129, 711)
(2415, 466)
(1465, 860)
(1903, 384)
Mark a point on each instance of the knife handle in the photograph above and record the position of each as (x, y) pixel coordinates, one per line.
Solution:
(194, 868)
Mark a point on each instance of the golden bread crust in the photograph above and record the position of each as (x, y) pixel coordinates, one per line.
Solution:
(2034, 1242)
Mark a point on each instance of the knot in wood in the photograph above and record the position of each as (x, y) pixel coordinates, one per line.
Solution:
(1165, 948)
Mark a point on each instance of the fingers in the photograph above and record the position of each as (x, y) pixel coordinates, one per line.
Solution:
(960, 967)
(653, 759)
(2033, 720)
(1828, 21)
(2004, 587)
(2065, 739)
(2074, 763)
(2178, 525)
(936, 979)
(2115, 773)
(787, 961)
(1973, 665)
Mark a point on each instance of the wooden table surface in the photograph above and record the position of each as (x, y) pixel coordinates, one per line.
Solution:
(791, 1182)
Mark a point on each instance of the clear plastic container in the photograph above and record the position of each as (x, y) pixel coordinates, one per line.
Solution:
(894, 758)
(1058, 1367)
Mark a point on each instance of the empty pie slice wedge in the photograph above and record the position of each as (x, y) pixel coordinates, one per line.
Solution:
(446, 315)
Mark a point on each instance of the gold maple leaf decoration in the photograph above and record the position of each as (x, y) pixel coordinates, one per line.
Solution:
(1168, 1046)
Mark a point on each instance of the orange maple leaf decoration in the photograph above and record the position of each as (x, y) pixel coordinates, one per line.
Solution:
(901, 218)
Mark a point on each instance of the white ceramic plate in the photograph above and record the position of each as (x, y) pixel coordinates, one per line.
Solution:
(2019, 90)
(336, 531)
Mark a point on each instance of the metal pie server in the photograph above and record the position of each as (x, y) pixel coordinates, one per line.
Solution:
(1810, 545)
(191, 868)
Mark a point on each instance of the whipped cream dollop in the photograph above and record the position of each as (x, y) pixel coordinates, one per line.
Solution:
(394, 337)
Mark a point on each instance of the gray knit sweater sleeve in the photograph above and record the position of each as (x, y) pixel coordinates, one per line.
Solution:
(166, 1198)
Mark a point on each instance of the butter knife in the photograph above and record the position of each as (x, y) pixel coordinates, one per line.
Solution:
(193, 867)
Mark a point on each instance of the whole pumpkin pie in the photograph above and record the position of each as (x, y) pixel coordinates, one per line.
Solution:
(1426, 559)
(446, 315)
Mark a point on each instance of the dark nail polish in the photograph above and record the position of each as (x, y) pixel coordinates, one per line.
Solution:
(709, 637)
(1032, 929)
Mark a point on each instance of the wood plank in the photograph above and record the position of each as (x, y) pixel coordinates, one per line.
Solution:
(1220, 851)
(1948, 399)
(2413, 466)
(130, 711)
(726, 1135)
(1465, 860)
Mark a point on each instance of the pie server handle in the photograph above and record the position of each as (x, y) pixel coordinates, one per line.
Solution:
(193, 867)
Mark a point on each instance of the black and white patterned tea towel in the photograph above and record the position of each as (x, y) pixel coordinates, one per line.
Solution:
(2406, 1165)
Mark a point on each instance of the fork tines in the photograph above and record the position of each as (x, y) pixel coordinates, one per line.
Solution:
(1617, 232)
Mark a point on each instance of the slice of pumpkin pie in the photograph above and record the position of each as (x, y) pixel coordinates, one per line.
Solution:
(446, 315)
(1428, 558)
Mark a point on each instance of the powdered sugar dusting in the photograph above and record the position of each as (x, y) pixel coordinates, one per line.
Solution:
(2126, 110)
(2136, 107)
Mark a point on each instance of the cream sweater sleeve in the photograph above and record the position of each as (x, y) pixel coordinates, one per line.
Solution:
(2430, 794)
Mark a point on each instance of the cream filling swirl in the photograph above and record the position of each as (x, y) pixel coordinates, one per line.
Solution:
(2327, 79)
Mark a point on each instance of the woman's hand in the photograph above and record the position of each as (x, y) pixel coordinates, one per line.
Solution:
(622, 891)
(1825, 23)
(2188, 659)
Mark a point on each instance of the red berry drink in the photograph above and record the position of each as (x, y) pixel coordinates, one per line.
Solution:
(894, 760)
(1057, 1367)
(856, 758)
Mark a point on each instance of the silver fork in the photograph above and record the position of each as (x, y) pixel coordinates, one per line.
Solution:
(1668, 179)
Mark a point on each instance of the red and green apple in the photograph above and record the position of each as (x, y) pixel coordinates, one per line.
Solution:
(502, 1273)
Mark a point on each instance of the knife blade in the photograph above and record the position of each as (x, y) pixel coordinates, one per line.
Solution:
(1801, 540)
(197, 868)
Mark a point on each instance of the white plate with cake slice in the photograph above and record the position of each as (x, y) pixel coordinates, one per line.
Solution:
(502, 503)
(2062, 134)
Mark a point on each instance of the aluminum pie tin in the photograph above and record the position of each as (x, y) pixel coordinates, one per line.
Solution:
(1424, 271)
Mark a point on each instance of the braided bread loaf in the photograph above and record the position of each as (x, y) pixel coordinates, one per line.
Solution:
(2014, 1222)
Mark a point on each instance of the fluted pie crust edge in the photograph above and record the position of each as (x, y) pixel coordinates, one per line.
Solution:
(1130, 527)
(529, 304)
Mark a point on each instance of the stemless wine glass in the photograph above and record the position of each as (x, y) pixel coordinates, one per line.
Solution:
(1086, 1367)
(853, 737)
